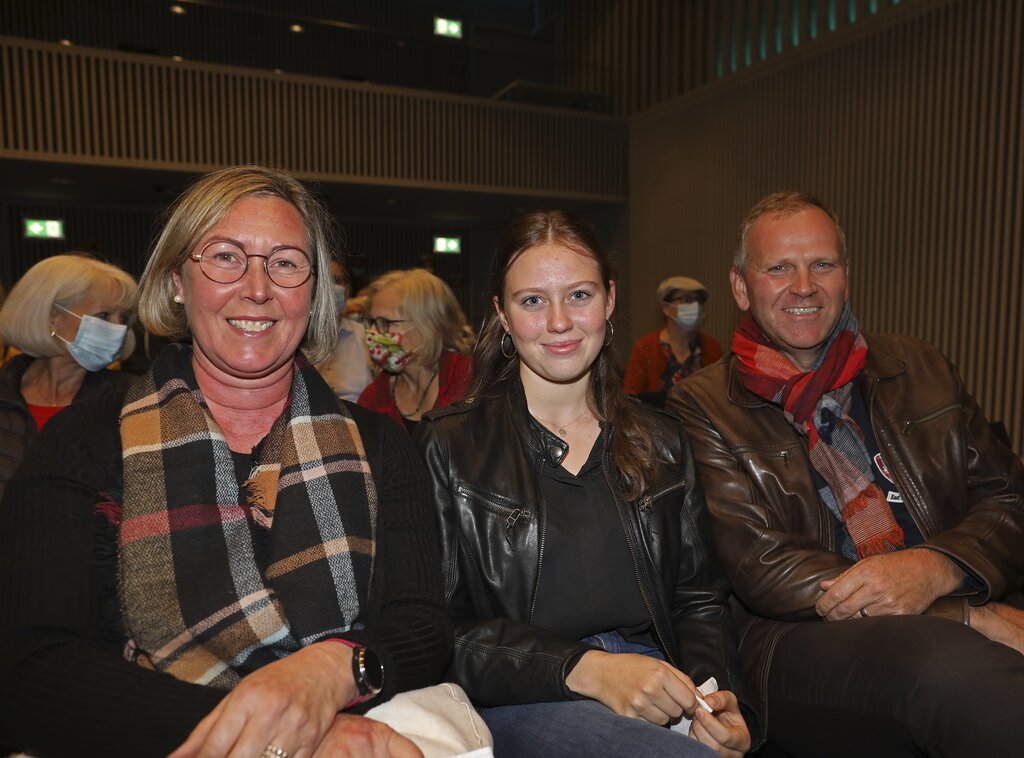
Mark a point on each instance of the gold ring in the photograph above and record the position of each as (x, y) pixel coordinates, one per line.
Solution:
(273, 751)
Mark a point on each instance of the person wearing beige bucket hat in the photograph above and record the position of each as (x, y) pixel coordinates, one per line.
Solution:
(663, 357)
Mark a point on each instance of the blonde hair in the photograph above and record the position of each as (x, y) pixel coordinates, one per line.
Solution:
(199, 208)
(62, 280)
(430, 304)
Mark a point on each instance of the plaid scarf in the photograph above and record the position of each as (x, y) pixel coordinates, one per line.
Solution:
(817, 404)
(198, 603)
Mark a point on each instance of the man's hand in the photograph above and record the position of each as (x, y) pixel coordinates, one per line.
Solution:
(634, 685)
(901, 583)
(359, 737)
(1000, 623)
(724, 731)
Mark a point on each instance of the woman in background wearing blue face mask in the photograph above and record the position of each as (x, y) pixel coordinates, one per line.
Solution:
(67, 315)
(347, 370)
(418, 337)
(662, 358)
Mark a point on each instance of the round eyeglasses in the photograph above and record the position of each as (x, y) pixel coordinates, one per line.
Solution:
(226, 263)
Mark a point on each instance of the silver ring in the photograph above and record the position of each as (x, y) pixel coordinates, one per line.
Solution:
(273, 751)
(863, 613)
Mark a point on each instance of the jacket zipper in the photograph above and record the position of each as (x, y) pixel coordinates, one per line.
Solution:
(542, 532)
(914, 508)
(783, 454)
(511, 513)
(647, 501)
(905, 429)
(669, 654)
(933, 415)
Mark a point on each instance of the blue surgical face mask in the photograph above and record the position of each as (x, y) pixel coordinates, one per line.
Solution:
(98, 342)
(689, 315)
(340, 298)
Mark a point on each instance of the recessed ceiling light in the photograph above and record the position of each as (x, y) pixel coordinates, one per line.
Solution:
(65, 42)
(297, 28)
(178, 10)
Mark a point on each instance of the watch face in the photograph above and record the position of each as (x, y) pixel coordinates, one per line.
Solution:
(371, 670)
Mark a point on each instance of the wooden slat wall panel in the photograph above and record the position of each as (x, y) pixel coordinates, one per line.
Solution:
(196, 118)
(644, 52)
(914, 133)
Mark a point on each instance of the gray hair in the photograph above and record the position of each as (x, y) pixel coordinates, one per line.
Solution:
(785, 203)
(62, 280)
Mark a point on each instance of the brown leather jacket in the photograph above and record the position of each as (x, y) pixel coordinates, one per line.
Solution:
(776, 539)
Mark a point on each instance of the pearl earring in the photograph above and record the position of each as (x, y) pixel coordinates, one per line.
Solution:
(179, 299)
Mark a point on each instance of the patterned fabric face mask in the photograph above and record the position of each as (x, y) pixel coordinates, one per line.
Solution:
(387, 351)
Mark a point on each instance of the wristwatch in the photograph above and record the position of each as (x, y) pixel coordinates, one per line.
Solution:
(367, 670)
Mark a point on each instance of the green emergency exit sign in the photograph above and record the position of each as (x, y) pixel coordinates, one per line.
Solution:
(447, 244)
(44, 228)
(447, 27)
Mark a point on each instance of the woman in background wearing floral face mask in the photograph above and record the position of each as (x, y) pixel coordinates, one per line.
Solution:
(67, 316)
(418, 337)
(662, 358)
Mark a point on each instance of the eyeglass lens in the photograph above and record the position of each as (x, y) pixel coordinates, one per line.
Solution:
(226, 262)
(684, 298)
(380, 324)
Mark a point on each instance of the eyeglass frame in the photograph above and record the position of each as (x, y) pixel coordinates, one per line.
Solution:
(685, 297)
(375, 322)
(198, 258)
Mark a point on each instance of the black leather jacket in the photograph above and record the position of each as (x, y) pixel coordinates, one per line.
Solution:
(485, 458)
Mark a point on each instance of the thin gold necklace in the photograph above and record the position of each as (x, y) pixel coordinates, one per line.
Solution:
(561, 429)
(423, 397)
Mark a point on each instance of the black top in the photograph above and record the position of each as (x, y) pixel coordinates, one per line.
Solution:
(67, 689)
(486, 457)
(588, 584)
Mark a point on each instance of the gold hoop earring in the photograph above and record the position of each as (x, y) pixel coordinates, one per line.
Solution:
(609, 333)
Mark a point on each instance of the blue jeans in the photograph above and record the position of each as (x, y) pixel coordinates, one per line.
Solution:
(585, 728)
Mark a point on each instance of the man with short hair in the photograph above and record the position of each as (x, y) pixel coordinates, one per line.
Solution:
(868, 518)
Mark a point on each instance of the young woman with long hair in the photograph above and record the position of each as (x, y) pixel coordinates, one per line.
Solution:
(579, 564)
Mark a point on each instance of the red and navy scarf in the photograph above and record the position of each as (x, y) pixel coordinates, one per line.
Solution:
(197, 601)
(817, 404)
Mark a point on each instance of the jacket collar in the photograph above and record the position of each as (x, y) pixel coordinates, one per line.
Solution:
(881, 363)
(542, 442)
(10, 380)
